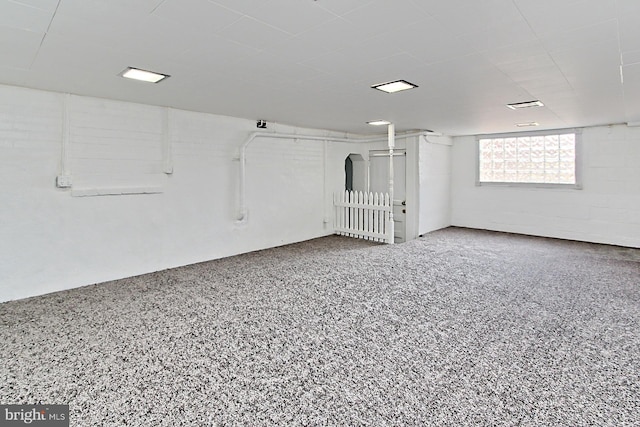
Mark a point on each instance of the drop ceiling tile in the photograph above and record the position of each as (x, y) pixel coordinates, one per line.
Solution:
(552, 85)
(251, 32)
(515, 53)
(332, 35)
(18, 47)
(245, 7)
(201, 15)
(119, 11)
(157, 36)
(581, 37)
(629, 31)
(206, 52)
(448, 76)
(528, 67)
(396, 67)
(23, 17)
(60, 52)
(264, 66)
(342, 7)
(460, 16)
(292, 16)
(333, 63)
(99, 33)
(632, 82)
(547, 16)
(435, 51)
(381, 16)
(427, 41)
(543, 6)
(628, 7)
(511, 33)
(299, 49)
(631, 57)
(48, 5)
(325, 85)
(373, 49)
(593, 66)
(151, 35)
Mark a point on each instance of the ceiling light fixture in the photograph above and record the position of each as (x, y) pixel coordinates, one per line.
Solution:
(394, 86)
(527, 124)
(143, 75)
(527, 104)
(378, 122)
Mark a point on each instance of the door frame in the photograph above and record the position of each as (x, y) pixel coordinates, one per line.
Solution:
(401, 205)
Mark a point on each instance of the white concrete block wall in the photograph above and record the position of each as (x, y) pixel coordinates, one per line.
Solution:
(110, 139)
(52, 241)
(434, 154)
(605, 210)
(428, 196)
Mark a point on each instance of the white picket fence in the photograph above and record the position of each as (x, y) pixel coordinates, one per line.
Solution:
(363, 215)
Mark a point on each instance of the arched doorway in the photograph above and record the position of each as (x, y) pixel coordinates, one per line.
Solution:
(355, 173)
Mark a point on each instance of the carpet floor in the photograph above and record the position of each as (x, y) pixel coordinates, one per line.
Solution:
(459, 327)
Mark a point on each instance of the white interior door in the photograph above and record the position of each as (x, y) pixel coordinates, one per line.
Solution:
(379, 182)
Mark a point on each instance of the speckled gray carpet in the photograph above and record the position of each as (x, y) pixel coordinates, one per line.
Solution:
(460, 327)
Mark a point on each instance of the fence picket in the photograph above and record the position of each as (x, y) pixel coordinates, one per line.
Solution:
(376, 214)
(352, 200)
(363, 215)
(388, 228)
(368, 219)
(356, 201)
(360, 210)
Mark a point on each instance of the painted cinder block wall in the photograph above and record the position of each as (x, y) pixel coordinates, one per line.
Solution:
(187, 165)
(434, 186)
(51, 240)
(605, 210)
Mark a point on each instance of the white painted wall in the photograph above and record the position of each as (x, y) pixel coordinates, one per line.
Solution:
(50, 240)
(337, 153)
(434, 177)
(428, 182)
(606, 210)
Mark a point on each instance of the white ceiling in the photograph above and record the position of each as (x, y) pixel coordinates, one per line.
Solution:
(311, 63)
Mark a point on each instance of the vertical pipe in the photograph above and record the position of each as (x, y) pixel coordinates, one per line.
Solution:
(66, 136)
(392, 143)
(325, 163)
(167, 163)
(242, 216)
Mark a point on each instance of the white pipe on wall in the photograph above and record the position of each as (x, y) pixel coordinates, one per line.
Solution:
(66, 136)
(391, 138)
(242, 208)
(325, 165)
(167, 161)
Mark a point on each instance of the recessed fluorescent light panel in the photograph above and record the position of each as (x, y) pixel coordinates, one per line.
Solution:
(524, 125)
(395, 86)
(143, 75)
(527, 104)
(378, 122)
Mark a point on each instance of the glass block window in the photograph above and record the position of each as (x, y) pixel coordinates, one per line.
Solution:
(532, 159)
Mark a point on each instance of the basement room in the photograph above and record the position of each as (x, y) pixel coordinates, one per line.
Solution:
(320, 213)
